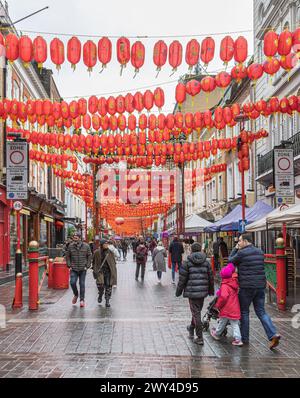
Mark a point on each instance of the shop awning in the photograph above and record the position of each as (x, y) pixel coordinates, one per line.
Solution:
(196, 224)
(229, 222)
(288, 216)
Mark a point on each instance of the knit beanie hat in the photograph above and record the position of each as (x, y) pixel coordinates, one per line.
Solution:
(227, 271)
(196, 247)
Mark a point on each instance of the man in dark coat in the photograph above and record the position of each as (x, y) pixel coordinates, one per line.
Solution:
(176, 251)
(141, 259)
(196, 282)
(252, 280)
(216, 247)
(104, 271)
(79, 259)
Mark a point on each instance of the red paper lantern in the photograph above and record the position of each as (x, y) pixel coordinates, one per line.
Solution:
(192, 53)
(207, 50)
(271, 66)
(113, 123)
(148, 100)
(138, 102)
(30, 107)
(65, 110)
(47, 107)
(296, 41)
(137, 56)
(193, 87)
(161, 122)
(82, 106)
(111, 105)
(104, 51)
(227, 115)
(12, 47)
(152, 122)
(160, 54)
(198, 121)
(123, 52)
(179, 120)
(208, 84)
(274, 104)
(289, 62)
(159, 98)
(129, 103)
(131, 122)
(57, 52)
(74, 51)
(227, 49)
(223, 79)
(86, 121)
(143, 121)
(285, 43)
(120, 104)
(102, 106)
(218, 114)
(255, 71)
(270, 44)
(56, 110)
(73, 109)
(240, 49)
(93, 104)
(39, 51)
(180, 93)
(239, 72)
(175, 55)
(189, 120)
(122, 122)
(90, 54)
(170, 121)
(25, 49)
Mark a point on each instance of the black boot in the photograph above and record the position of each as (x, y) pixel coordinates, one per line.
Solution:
(100, 298)
(191, 331)
(107, 305)
(199, 339)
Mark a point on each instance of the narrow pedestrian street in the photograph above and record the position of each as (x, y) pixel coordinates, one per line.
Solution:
(143, 334)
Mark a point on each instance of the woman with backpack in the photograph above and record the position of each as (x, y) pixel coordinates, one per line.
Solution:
(141, 259)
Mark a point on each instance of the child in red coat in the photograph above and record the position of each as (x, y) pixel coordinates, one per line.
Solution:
(228, 305)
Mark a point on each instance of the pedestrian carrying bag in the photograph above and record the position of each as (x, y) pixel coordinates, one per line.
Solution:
(101, 266)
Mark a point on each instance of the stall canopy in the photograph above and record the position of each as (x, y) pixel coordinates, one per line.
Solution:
(261, 224)
(288, 216)
(193, 225)
(231, 221)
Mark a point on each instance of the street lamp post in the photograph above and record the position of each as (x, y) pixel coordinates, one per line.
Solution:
(242, 118)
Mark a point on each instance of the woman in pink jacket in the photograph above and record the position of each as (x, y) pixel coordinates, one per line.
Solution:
(228, 305)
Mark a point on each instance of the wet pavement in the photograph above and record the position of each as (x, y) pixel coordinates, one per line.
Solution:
(143, 334)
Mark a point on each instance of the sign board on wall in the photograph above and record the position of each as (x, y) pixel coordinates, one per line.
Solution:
(284, 176)
(17, 170)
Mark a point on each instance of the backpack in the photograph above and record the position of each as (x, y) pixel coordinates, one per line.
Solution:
(140, 256)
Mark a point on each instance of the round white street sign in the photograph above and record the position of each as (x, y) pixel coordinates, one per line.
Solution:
(18, 206)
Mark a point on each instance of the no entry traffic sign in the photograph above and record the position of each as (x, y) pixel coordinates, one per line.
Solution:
(17, 170)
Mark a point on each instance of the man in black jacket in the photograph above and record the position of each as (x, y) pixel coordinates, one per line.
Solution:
(196, 282)
(252, 280)
(176, 251)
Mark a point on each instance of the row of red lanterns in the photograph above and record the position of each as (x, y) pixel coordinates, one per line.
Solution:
(160, 127)
(37, 50)
(130, 144)
(223, 79)
(102, 106)
(53, 159)
(283, 44)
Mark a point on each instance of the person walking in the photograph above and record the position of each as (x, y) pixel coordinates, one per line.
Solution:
(196, 282)
(112, 247)
(216, 248)
(187, 249)
(176, 251)
(104, 271)
(252, 280)
(79, 259)
(228, 305)
(159, 260)
(124, 247)
(141, 259)
(152, 245)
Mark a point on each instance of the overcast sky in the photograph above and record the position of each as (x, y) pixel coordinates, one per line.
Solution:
(131, 18)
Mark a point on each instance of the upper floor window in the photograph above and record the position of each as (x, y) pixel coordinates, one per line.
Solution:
(16, 92)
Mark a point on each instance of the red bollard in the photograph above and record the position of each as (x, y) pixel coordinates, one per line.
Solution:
(33, 255)
(50, 273)
(281, 289)
(18, 299)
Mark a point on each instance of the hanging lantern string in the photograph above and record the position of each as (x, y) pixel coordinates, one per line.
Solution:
(150, 86)
(134, 37)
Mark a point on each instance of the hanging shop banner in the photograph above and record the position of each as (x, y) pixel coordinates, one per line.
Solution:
(284, 176)
(17, 170)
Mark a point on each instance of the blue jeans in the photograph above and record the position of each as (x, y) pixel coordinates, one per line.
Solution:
(174, 268)
(73, 282)
(159, 274)
(257, 297)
